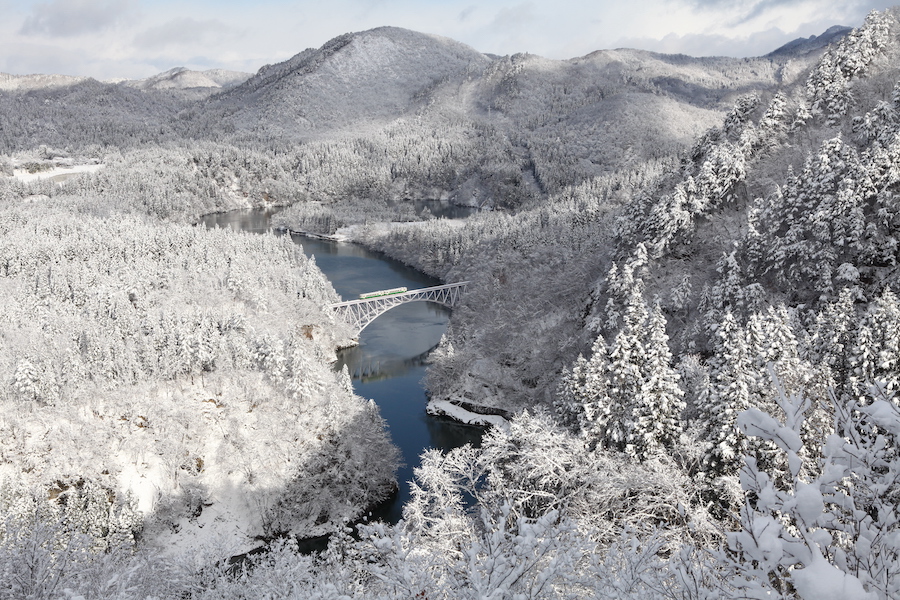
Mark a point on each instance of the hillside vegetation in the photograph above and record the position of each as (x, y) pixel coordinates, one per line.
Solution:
(685, 296)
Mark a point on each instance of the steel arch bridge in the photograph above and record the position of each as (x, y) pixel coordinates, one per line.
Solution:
(359, 313)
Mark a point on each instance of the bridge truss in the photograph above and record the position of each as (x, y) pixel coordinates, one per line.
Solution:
(359, 313)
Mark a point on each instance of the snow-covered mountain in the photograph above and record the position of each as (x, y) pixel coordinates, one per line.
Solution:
(388, 73)
(36, 82)
(181, 78)
(803, 46)
(592, 114)
(549, 123)
(372, 76)
(512, 127)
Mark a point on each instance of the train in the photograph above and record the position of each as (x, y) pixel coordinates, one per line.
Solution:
(389, 292)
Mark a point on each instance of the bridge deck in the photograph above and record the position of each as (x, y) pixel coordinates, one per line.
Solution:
(401, 294)
(359, 313)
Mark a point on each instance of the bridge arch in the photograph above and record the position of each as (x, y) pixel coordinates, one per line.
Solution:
(360, 313)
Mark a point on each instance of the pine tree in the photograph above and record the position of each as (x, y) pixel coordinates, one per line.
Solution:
(831, 344)
(626, 356)
(873, 348)
(657, 409)
(642, 408)
(730, 393)
(884, 322)
(592, 396)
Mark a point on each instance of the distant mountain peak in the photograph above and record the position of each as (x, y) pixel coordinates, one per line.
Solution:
(36, 82)
(804, 46)
(374, 74)
(312, 58)
(184, 78)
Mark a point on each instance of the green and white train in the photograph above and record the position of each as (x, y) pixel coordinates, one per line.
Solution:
(389, 292)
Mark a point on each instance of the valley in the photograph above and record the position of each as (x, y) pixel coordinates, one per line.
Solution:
(682, 316)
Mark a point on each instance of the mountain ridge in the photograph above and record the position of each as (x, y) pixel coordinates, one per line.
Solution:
(364, 75)
(184, 78)
(614, 106)
(267, 73)
(358, 83)
(802, 46)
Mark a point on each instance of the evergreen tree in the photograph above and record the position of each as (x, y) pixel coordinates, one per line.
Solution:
(877, 352)
(731, 385)
(832, 340)
(656, 412)
(864, 347)
(630, 393)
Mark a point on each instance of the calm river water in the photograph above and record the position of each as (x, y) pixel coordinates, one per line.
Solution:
(387, 366)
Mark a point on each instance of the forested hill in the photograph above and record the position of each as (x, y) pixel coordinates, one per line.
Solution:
(789, 202)
(558, 122)
(388, 73)
(370, 77)
(391, 113)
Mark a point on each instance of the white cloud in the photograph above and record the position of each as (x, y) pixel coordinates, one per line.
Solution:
(185, 31)
(758, 44)
(514, 17)
(105, 37)
(65, 18)
(465, 13)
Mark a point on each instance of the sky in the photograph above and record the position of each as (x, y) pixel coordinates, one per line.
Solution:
(132, 39)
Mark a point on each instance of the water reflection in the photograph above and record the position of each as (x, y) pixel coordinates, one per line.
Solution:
(442, 209)
(254, 221)
(366, 368)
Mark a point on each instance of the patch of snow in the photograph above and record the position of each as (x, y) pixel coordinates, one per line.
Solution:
(36, 82)
(755, 422)
(823, 581)
(448, 409)
(58, 174)
(884, 414)
(227, 526)
(141, 481)
(182, 78)
(809, 503)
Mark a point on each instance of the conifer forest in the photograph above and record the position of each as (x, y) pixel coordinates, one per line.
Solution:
(682, 325)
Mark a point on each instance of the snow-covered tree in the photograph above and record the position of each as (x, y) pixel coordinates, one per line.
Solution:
(628, 390)
(829, 87)
(731, 392)
(829, 533)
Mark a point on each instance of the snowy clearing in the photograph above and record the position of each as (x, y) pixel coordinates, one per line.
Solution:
(57, 174)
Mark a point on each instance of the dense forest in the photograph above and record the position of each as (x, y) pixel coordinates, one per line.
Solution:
(692, 320)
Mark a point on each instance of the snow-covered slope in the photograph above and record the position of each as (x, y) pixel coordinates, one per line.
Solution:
(36, 82)
(371, 76)
(388, 72)
(182, 78)
(803, 46)
(610, 108)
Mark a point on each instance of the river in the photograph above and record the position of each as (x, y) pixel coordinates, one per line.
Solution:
(388, 365)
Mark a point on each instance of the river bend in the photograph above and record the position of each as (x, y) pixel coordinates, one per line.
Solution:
(388, 365)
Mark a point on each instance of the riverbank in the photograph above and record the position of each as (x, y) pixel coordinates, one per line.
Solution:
(469, 414)
(474, 400)
(386, 365)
